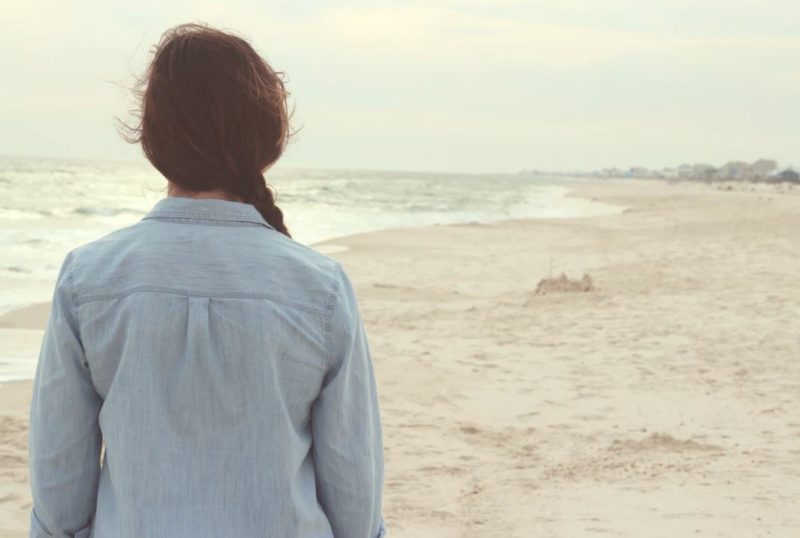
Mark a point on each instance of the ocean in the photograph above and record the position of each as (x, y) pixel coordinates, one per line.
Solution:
(50, 206)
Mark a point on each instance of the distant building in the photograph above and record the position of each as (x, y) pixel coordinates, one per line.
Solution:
(685, 171)
(762, 168)
(759, 170)
(703, 171)
(611, 173)
(789, 176)
(734, 170)
(669, 173)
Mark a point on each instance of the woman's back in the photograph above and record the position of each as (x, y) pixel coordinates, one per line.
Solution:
(227, 369)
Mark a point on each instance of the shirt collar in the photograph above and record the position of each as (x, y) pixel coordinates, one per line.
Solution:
(179, 207)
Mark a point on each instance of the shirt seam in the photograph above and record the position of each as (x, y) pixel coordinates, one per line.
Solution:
(218, 294)
(333, 301)
(73, 292)
(73, 306)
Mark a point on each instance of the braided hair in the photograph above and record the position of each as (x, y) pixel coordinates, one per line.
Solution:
(263, 198)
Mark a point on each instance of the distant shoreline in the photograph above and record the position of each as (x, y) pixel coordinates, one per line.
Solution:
(759, 171)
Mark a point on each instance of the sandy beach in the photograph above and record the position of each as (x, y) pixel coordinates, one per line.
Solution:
(665, 402)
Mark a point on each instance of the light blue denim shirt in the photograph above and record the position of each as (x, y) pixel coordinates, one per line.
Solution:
(227, 369)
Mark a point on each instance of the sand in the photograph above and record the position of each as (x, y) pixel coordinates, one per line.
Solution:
(665, 401)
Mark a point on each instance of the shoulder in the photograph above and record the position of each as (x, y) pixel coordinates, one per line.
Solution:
(83, 256)
(303, 256)
(345, 312)
(312, 265)
(307, 263)
(80, 262)
(85, 251)
(110, 239)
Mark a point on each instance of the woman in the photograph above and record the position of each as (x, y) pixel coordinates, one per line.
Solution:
(224, 365)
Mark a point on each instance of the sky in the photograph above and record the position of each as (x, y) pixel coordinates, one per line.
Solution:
(439, 85)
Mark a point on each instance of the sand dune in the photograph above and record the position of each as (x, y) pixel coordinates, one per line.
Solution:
(665, 401)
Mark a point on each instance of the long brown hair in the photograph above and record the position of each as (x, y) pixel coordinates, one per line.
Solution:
(212, 113)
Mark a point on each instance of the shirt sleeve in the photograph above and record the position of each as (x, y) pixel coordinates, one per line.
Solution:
(346, 428)
(64, 436)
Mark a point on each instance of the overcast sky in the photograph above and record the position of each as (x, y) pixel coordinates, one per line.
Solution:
(468, 85)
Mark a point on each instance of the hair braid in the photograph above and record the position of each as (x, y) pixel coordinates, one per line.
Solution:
(262, 197)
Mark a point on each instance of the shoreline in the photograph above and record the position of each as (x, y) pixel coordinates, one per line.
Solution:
(572, 190)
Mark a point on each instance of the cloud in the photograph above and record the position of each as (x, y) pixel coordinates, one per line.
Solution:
(444, 31)
(544, 80)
